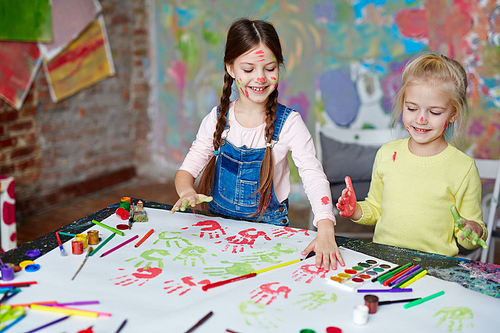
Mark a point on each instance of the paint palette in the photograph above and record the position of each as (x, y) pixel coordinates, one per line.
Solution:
(359, 270)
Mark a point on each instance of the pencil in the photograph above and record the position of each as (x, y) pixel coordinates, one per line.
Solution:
(48, 324)
(116, 231)
(200, 322)
(120, 245)
(102, 244)
(150, 232)
(425, 299)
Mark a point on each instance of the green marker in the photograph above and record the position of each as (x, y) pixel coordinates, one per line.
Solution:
(421, 300)
(116, 231)
(102, 244)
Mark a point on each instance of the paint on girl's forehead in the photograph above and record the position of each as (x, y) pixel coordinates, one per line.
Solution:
(260, 55)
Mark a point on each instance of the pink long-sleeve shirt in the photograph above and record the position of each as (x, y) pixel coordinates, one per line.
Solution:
(294, 137)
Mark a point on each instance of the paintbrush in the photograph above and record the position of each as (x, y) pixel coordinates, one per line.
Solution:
(90, 249)
(63, 253)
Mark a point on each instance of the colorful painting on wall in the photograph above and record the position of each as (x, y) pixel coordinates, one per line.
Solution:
(85, 61)
(26, 20)
(69, 19)
(343, 61)
(19, 63)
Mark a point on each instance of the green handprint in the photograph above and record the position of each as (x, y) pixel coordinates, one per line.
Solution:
(237, 269)
(267, 256)
(256, 311)
(460, 224)
(191, 253)
(453, 314)
(148, 256)
(174, 239)
(316, 299)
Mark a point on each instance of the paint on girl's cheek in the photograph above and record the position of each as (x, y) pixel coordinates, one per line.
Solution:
(445, 125)
(273, 78)
(325, 200)
(394, 157)
(407, 128)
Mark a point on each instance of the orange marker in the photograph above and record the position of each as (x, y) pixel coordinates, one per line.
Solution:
(146, 236)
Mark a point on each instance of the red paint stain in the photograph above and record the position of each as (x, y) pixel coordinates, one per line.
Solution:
(273, 78)
(421, 119)
(445, 125)
(325, 200)
(259, 52)
(260, 79)
(394, 157)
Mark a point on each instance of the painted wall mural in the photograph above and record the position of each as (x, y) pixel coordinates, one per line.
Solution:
(344, 61)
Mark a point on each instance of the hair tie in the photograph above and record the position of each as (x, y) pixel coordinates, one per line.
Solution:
(268, 145)
(216, 152)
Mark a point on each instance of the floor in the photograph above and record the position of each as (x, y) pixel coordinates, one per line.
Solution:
(51, 218)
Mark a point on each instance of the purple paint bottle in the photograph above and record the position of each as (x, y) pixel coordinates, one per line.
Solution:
(7, 272)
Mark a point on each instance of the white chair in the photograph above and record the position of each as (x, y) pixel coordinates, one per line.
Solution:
(488, 169)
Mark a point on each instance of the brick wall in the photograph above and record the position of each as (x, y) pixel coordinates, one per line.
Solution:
(91, 140)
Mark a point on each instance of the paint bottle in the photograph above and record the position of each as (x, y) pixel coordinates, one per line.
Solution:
(125, 203)
(93, 237)
(83, 239)
(7, 272)
(360, 314)
(371, 301)
(77, 246)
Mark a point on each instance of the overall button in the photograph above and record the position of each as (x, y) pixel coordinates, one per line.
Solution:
(281, 209)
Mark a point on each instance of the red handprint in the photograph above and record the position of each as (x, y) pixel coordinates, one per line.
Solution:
(151, 272)
(288, 232)
(184, 286)
(244, 237)
(213, 229)
(309, 271)
(265, 291)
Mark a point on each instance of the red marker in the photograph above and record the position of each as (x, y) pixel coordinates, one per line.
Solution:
(146, 236)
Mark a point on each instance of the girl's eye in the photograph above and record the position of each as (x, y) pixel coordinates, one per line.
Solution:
(247, 70)
(411, 109)
(270, 69)
(435, 113)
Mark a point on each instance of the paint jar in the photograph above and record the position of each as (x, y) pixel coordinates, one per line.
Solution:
(371, 301)
(93, 237)
(83, 239)
(125, 202)
(7, 272)
(360, 314)
(77, 246)
(333, 329)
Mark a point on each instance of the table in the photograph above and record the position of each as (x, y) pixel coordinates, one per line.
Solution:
(158, 285)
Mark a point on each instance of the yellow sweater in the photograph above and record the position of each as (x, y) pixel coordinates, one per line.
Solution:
(410, 198)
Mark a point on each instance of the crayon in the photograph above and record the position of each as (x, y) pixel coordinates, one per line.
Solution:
(422, 300)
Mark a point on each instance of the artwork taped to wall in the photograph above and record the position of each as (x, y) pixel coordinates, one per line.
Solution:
(19, 64)
(26, 20)
(69, 19)
(86, 61)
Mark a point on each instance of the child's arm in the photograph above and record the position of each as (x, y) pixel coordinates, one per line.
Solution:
(325, 246)
(184, 184)
(470, 229)
(347, 204)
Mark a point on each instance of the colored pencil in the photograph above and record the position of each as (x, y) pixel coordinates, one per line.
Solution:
(200, 322)
(17, 284)
(18, 319)
(389, 274)
(414, 279)
(61, 248)
(399, 284)
(392, 290)
(120, 245)
(89, 250)
(48, 324)
(116, 231)
(121, 326)
(75, 312)
(425, 299)
(405, 275)
(150, 232)
(398, 301)
(102, 244)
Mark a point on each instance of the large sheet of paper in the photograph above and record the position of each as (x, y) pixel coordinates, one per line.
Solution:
(157, 287)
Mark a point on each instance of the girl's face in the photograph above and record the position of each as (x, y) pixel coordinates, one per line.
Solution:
(427, 112)
(256, 74)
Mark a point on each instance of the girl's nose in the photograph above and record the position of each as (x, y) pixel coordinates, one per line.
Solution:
(421, 120)
(261, 79)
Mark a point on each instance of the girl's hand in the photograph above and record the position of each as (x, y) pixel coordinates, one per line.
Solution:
(327, 251)
(347, 201)
(470, 229)
(191, 199)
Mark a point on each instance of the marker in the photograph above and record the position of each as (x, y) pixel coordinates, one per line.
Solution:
(399, 284)
(393, 290)
(398, 301)
(396, 276)
(405, 275)
(66, 234)
(414, 279)
(150, 232)
(116, 231)
(18, 319)
(121, 326)
(119, 246)
(425, 299)
(76, 312)
(24, 305)
(200, 322)
(48, 324)
(389, 271)
(99, 313)
(17, 284)
(102, 244)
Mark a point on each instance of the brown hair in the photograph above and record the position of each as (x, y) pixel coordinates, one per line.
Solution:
(447, 74)
(242, 36)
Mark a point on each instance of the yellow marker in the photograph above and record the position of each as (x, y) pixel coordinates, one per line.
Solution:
(415, 278)
(63, 310)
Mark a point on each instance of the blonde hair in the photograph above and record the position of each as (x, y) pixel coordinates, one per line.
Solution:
(443, 72)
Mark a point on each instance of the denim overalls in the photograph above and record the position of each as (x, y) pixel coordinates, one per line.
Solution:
(237, 178)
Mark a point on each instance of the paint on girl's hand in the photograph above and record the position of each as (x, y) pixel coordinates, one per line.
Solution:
(325, 200)
(394, 157)
(316, 299)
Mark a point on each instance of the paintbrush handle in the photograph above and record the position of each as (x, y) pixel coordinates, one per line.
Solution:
(221, 283)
